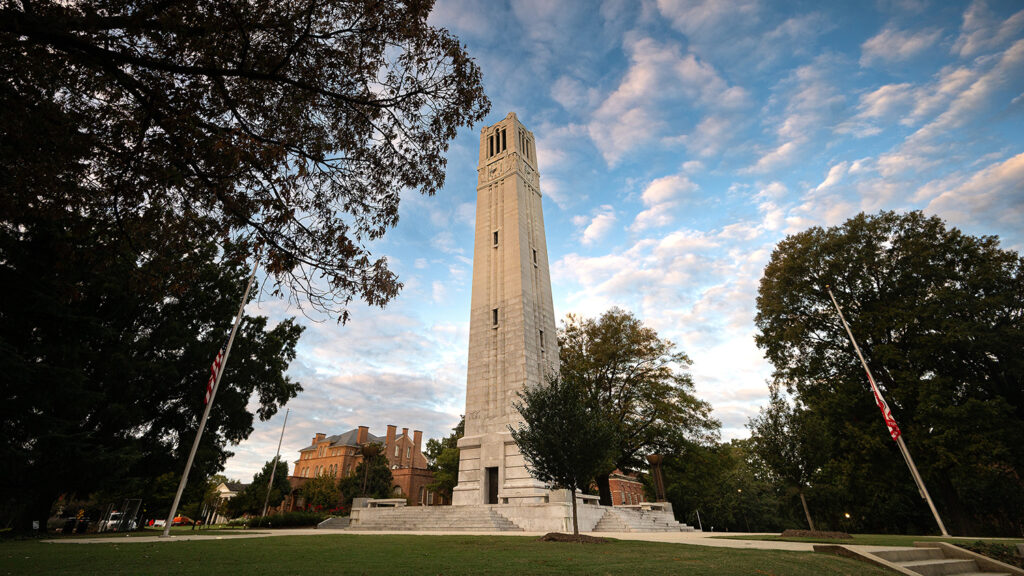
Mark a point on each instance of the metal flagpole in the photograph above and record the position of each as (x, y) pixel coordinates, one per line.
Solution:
(894, 430)
(276, 457)
(206, 412)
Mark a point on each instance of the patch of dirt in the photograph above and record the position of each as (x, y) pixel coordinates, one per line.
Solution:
(582, 538)
(816, 534)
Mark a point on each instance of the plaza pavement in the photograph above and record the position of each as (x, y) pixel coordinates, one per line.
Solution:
(694, 538)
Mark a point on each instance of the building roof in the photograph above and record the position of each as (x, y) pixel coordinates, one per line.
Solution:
(346, 439)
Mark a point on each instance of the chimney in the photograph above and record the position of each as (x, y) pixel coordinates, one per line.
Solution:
(389, 443)
(364, 432)
(405, 431)
(417, 439)
(319, 436)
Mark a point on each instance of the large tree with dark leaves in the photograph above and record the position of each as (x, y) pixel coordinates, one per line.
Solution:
(640, 382)
(105, 355)
(293, 126)
(939, 316)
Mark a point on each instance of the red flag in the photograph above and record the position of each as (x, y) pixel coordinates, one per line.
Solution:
(218, 363)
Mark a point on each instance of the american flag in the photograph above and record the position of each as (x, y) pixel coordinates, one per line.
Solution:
(890, 422)
(218, 364)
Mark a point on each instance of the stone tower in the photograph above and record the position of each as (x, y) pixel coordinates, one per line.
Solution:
(512, 339)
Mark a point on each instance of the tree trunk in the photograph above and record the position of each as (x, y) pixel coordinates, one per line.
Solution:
(575, 522)
(807, 511)
(604, 489)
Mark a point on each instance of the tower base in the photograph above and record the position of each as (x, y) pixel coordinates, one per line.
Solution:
(492, 471)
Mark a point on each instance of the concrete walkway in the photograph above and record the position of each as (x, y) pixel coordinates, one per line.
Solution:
(695, 538)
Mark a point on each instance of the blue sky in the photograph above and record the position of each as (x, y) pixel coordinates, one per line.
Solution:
(678, 142)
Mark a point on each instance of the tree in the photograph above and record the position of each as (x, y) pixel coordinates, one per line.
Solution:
(106, 360)
(563, 435)
(250, 499)
(721, 484)
(288, 126)
(638, 381)
(443, 460)
(785, 445)
(377, 478)
(321, 492)
(939, 316)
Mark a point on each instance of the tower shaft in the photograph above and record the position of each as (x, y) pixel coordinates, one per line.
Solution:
(512, 338)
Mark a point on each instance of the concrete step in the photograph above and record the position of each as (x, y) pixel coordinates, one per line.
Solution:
(335, 523)
(940, 567)
(910, 554)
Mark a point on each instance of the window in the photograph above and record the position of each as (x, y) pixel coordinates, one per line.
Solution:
(490, 144)
(396, 450)
(534, 256)
(542, 339)
(494, 317)
(495, 238)
(503, 139)
(408, 451)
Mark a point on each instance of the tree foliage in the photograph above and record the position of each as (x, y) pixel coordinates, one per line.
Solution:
(443, 460)
(250, 499)
(377, 479)
(786, 446)
(563, 435)
(106, 359)
(640, 384)
(321, 492)
(939, 316)
(290, 126)
(723, 485)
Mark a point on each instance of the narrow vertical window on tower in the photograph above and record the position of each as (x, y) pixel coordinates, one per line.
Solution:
(534, 256)
(495, 238)
(494, 317)
(541, 339)
(502, 139)
(490, 146)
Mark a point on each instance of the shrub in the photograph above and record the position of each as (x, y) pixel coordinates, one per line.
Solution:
(287, 520)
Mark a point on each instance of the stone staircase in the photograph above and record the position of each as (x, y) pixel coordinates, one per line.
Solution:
(925, 559)
(334, 523)
(428, 518)
(934, 562)
(632, 520)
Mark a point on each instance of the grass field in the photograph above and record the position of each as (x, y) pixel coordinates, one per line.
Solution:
(399, 554)
(880, 539)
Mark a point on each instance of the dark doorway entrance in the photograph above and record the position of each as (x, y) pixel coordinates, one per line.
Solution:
(492, 485)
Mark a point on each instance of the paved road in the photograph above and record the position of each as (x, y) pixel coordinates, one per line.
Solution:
(696, 538)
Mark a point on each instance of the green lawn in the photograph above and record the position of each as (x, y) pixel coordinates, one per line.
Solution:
(398, 554)
(880, 539)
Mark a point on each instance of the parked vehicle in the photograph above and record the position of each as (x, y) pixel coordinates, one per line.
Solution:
(118, 523)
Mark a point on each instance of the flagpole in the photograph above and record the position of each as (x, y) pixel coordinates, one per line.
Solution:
(276, 458)
(209, 405)
(899, 437)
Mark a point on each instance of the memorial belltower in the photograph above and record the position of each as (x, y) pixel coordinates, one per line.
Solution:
(512, 338)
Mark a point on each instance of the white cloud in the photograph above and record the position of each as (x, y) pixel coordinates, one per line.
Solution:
(598, 226)
(659, 74)
(993, 194)
(811, 101)
(983, 31)
(835, 174)
(893, 45)
(661, 197)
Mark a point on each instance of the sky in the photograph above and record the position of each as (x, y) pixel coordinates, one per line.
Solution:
(678, 142)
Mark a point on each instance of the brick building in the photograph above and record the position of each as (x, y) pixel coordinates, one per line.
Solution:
(338, 455)
(627, 490)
